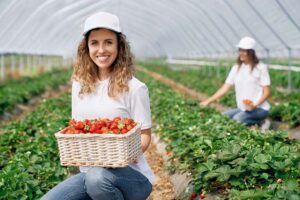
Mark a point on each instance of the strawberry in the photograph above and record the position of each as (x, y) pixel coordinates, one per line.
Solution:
(202, 196)
(117, 119)
(104, 130)
(128, 121)
(115, 131)
(72, 122)
(247, 102)
(193, 195)
(113, 125)
(124, 130)
(79, 125)
(65, 130)
(93, 128)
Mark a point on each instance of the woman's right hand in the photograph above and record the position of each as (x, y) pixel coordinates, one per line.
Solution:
(205, 103)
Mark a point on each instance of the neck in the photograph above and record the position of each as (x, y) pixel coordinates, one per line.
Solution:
(246, 62)
(103, 74)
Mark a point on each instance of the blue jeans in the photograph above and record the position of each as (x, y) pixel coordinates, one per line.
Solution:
(102, 184)
(248, 117)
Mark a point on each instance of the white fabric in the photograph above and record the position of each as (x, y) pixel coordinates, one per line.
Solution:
(249, 85)
(102, 20)
(134, 104)
(246, 43)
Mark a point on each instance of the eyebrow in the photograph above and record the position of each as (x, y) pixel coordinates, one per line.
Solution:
(108, 39)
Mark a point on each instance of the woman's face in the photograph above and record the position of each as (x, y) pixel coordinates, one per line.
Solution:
(243, 54)
(103, 47)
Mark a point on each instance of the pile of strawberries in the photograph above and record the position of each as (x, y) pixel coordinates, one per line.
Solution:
(247, 102)
(100, 126)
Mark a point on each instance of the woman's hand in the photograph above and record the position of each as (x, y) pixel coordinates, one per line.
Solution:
(205, 103)
(145, 138)
(251, 107)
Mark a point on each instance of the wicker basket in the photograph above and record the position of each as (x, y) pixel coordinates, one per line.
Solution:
(105, 150)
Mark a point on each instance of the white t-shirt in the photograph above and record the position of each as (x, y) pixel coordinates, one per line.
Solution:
(134, 104)
(249, 85)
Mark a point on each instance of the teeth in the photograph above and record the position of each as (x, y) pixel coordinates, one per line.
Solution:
(102, 58)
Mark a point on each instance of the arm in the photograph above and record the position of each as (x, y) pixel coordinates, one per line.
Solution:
(146, 138)
(265, 96)
(221, 92)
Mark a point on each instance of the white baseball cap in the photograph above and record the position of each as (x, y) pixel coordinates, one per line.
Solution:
(246, 43)
(102, 20)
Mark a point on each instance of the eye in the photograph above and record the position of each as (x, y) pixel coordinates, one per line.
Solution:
(109, 42)
(93, 42)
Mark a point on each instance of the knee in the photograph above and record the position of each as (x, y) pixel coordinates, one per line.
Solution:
(97, 178)
(238, 118)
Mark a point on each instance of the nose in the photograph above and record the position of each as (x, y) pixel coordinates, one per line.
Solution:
(101, 48)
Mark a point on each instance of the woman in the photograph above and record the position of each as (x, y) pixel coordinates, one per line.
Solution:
(104, 87)
(252, 86)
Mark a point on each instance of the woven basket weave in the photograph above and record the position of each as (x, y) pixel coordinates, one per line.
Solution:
(105, 150)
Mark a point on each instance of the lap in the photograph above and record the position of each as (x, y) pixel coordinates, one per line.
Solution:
(72, 188)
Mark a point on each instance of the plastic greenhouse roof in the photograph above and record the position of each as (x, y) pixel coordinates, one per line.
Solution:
(172, 28)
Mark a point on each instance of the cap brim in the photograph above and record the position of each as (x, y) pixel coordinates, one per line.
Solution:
(98, 27)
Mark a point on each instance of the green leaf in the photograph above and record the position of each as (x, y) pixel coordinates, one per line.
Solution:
(208, 142)
(262, 158)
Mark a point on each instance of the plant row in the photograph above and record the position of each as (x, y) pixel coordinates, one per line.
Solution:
(29, 155)
(13, 92)
(223, 155)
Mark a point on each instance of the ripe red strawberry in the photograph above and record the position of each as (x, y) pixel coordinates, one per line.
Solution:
(113, 125)
(93, 128)
(193, 195)
(202, 196)
(104, 130)
(115, 131)
(128, 121)
(72, 122)
(79, 125)
(117, 119)
(124, 130)
(65, 130)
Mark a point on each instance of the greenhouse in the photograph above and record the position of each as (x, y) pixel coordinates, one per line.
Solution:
(156, 100)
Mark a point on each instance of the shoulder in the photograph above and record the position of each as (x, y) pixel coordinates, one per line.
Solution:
(262, 66)
(75, 83)
(136, 85)
(235, 67)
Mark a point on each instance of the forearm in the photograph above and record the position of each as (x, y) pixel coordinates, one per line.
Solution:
(219, 93)
(265, 96)
(145, 139)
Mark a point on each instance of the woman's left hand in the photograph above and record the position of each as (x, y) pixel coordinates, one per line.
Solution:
(251, 107)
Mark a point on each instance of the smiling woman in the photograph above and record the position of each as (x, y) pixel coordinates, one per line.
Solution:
(104, 86)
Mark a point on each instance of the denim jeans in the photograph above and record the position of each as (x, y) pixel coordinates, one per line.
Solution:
(248, 117)
(102, 184)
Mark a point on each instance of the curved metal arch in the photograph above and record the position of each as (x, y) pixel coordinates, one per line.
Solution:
(189, 34)
(3, 16)
(26, 23)
(268, 25)
(245, 25)
(214, 24)
(56, 31)
(211, 33)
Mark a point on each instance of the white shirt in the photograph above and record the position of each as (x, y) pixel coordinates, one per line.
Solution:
(134, 104)
(249, 84)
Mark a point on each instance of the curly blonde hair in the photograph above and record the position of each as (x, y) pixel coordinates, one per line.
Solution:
(86, 72)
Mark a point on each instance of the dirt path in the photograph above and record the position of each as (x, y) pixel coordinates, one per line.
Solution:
(163, 188)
